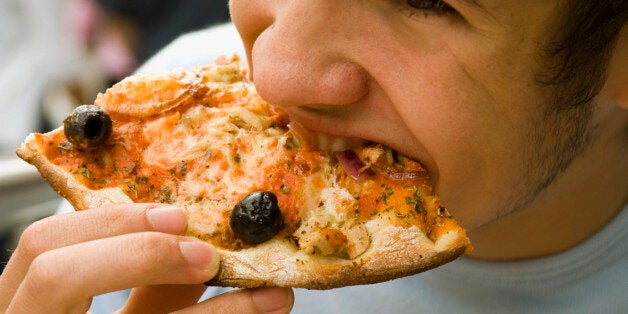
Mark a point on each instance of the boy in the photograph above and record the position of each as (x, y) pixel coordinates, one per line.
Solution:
(517, 109)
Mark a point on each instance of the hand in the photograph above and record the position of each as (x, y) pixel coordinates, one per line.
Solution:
(61, 262)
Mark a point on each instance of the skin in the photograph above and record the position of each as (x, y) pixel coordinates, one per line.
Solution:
(460, 93)
(455, 91)
(61, 262)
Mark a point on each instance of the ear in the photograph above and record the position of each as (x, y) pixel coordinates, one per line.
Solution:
(617, 79)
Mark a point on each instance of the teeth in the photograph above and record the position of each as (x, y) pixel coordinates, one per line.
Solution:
(329, 142)
(323, 141)
(338, 143)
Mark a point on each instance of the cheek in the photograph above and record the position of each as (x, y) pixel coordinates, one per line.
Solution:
(441, 108)
(470, 137)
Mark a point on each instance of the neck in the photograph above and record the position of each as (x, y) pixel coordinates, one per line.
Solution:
(577, 204)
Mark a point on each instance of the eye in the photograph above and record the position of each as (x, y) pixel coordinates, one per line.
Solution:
(428, 7)
(437, 5)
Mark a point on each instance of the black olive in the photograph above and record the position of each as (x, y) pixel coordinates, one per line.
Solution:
(87, 126)
(257, 218)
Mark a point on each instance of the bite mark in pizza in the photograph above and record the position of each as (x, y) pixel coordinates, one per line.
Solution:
(310, 211)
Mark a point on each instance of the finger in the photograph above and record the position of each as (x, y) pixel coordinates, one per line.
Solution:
(260, 300)
(162, 298)
(68, 276)
(68, 229)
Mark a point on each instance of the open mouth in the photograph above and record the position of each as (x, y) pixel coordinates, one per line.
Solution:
(361, 158)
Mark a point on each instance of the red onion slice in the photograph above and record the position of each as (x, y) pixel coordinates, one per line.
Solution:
(353, 165)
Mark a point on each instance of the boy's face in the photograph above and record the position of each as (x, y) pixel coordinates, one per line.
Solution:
(456, 89)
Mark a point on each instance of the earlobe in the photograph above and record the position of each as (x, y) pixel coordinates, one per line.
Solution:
(621, 97)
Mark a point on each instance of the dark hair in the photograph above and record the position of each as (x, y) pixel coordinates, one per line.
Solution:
(580, 52)
(575, 59)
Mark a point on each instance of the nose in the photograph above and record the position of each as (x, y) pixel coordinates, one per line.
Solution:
(300, 52)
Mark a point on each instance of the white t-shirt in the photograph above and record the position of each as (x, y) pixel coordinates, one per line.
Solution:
(590, 278)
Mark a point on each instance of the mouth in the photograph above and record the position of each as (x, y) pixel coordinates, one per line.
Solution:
(341, 128)
(361, 158)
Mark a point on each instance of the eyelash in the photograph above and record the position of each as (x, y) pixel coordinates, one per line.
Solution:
(427, 8)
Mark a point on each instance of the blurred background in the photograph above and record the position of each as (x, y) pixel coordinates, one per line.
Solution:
(58, 54)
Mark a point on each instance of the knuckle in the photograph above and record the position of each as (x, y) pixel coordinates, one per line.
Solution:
(44, 272)
(159, 254)
(153, 247)
(111, 219)
(123, 217)
(35, 239)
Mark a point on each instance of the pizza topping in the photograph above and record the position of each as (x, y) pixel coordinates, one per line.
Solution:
(333, 229)
(345, 241)
(392, 164)
(353, 165)
(87, 126)
(257, 218)
(152, 94)
(396, 174)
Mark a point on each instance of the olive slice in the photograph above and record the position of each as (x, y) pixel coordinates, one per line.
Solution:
(87, 126)
(257, 218)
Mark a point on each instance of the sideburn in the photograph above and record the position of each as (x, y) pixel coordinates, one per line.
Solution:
(553, 144)
(575, 58)
(574, 67)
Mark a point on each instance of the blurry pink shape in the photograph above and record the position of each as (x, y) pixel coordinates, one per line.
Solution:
(83, 16)
(114, 55)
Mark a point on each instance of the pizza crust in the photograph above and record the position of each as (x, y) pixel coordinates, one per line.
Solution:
(393, 252)
(65, 184)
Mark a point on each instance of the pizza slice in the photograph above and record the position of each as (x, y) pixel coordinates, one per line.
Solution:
(283, 205)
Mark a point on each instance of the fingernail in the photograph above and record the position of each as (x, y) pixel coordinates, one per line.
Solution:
(200, 255)
(273, 299)
(168, 219)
